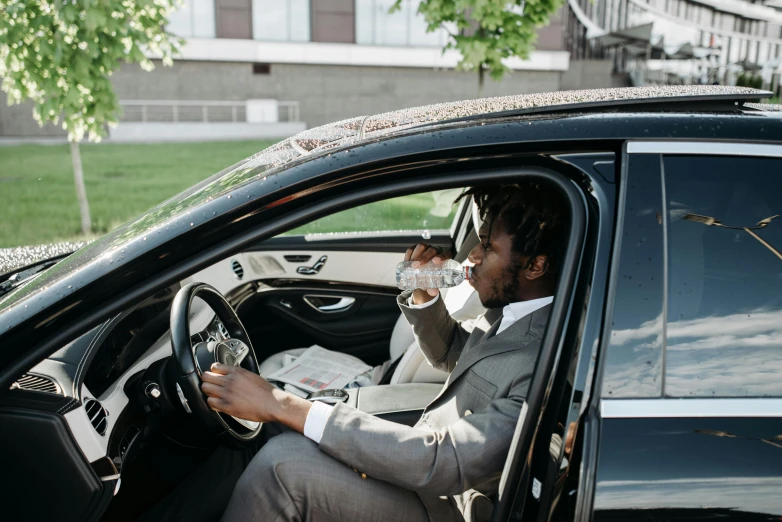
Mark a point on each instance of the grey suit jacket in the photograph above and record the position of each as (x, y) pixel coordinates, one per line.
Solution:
(456, 452)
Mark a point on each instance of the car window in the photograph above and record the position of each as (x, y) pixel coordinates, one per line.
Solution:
(634, 359)
(418, 212)
(698, 301)
(724, 331)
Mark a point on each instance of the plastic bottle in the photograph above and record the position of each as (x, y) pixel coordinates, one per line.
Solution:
(431, 275)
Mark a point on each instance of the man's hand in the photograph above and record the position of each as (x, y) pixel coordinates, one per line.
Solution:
(249, 396)
(421, 254)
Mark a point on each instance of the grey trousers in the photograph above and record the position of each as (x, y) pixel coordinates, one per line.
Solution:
(290, 479)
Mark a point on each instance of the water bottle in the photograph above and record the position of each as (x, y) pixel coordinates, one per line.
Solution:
(431, 275)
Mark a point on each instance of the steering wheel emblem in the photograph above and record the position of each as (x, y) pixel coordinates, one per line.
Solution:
(230, 353)
(224, 355)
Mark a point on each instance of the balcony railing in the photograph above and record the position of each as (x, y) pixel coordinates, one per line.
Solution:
(198, 111)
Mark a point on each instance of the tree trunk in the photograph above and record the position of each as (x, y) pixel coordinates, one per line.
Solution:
(481, 74)
(81, 192)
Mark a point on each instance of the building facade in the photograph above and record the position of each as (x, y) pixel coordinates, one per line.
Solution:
(268, 68)
(689, 41)
(318, 60)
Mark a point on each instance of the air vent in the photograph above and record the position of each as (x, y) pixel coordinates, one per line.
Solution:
(127, 440)
(237, 268)
(97, 415)
(297, 258)
(36, 383)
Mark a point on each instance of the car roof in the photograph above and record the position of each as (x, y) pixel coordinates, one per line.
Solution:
(662, 97)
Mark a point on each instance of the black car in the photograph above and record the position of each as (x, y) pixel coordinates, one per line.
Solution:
(658, 391)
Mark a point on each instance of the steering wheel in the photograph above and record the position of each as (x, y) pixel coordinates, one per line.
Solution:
(191, 360)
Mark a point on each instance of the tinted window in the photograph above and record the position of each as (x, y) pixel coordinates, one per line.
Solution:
(724, 331)
(634, 358)
(426, 211)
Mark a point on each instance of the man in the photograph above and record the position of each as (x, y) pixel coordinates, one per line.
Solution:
(353, 466)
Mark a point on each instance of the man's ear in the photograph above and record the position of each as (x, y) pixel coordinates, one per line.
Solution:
(537, 268)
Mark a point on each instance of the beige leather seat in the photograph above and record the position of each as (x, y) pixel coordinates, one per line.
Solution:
(463, 304)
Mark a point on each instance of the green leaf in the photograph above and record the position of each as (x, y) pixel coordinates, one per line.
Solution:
(489, 31)
(66, 45)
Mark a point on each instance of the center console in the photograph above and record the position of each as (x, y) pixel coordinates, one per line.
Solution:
(400, 403)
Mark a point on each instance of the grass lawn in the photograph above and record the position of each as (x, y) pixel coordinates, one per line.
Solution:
(38, 200)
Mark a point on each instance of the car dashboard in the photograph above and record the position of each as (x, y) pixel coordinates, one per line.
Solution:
(94, 373)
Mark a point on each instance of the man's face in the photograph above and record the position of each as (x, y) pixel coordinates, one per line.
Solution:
(497, 273)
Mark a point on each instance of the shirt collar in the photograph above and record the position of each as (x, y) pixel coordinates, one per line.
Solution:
(515, 311)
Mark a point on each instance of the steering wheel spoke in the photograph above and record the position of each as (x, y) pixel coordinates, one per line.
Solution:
(194, 358)
(250, 425)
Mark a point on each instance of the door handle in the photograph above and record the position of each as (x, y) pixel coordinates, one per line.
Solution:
(314, 269)
(315, 301)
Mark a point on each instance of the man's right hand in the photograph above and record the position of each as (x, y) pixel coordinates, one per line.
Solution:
(421, 254)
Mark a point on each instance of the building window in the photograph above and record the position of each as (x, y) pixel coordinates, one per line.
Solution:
(234, 19)
(333, 21)
(728, 22)
(195, 19)
(282, 21)
(376, 26)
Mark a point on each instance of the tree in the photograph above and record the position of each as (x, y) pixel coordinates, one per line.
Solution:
(59, 54)
(486, 32)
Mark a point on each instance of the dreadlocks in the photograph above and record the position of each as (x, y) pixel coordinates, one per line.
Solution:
(531, 212)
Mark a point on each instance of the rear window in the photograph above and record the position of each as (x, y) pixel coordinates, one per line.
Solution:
(698, 306)
(724, 330)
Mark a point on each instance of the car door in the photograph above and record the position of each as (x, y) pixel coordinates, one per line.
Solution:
(332, 282)
(691, 411)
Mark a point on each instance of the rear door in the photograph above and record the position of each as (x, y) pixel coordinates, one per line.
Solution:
(691, 410)
(332, 282)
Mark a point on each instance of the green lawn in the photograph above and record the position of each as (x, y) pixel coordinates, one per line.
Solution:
(38, 199)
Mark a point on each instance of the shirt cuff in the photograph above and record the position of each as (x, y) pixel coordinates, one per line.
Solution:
(315, 423)
(424, 305)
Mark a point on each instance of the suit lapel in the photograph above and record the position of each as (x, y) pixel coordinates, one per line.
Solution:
(513, 338)
(490, 344)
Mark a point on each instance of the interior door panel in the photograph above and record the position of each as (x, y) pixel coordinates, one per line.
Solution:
(335, 290)
(281, 318)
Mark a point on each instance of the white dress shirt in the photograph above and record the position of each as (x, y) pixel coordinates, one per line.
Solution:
(318, 416)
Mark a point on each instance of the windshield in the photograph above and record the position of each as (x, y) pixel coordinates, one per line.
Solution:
(13, 259)
(19, 277)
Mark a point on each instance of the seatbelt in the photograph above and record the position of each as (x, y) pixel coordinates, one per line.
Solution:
(386, 379)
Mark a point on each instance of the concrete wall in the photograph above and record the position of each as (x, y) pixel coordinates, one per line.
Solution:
(17, 121)
(587, 74)
(326, 93)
